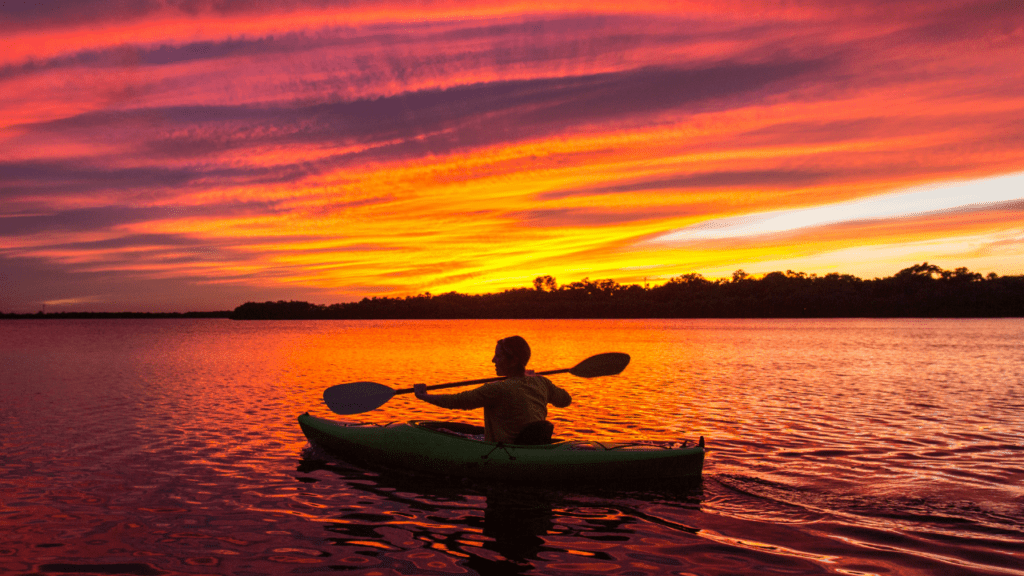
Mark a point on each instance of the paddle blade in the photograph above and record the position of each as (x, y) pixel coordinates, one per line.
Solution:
(357, 397)
(607, 364)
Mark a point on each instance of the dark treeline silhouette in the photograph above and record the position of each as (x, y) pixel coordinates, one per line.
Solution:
(923, 290)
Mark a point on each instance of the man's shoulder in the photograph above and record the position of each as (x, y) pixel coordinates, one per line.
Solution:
(536, 381)
(529, 377)
(517, 381)
(544, 379)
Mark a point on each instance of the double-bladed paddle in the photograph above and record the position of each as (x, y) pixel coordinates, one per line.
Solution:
(359, 397)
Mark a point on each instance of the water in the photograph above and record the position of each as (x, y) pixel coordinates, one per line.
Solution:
(837, 446)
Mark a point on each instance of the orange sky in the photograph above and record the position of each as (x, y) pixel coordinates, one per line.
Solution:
(174, 156)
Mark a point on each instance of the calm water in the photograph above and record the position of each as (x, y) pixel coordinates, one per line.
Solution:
(838, 446)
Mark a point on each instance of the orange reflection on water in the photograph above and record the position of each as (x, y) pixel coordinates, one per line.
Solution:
(828, 439)
(641, 403)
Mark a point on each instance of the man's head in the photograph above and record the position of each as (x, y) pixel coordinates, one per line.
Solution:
(511, 356)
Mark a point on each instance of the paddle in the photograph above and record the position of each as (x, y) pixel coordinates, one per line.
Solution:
(365, 396)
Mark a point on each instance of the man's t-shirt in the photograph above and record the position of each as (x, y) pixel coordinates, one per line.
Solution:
(509, 405)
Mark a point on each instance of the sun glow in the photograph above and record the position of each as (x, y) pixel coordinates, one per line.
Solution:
(331, 154)
(954, 197)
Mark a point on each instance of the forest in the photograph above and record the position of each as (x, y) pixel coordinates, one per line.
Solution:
(923, 290)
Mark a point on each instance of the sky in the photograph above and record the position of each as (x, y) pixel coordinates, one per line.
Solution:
(180, 155)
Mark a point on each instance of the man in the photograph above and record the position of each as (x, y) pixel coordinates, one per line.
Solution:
(510, 405)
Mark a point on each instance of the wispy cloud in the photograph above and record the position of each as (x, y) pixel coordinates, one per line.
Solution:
(948, 197)
(238, 150)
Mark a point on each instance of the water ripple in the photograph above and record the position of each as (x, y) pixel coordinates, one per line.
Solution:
(853, 447)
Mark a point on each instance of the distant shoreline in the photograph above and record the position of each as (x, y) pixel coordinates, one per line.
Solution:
(921, 291)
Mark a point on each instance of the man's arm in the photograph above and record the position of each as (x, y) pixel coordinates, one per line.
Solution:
(557, 396)
(478, 398)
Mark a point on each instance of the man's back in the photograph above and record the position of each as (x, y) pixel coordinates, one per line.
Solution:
(509, 405)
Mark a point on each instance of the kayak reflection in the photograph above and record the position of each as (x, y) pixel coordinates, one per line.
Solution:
(517, 520)
(423, 524)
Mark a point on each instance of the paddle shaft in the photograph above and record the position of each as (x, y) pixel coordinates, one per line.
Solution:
(357, 397)
(479, 381)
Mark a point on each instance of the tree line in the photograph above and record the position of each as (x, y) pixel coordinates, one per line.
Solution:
(922, 290)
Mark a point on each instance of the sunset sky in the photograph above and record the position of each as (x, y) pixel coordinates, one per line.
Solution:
(184, 155)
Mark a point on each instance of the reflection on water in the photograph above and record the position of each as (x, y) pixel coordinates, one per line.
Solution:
(850, 446)
(416, 524)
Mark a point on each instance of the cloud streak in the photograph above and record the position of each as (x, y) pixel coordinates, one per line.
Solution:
(954, 198)
(279, 149)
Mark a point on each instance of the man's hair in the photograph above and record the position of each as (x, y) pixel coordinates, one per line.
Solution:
(516, 348)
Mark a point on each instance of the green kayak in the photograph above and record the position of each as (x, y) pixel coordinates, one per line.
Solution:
(446, 448)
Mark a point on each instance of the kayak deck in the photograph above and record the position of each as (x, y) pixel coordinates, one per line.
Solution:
(442, 448)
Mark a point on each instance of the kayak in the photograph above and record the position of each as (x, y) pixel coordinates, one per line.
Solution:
(451, 449)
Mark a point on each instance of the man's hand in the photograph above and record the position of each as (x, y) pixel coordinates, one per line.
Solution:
(420, 390)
